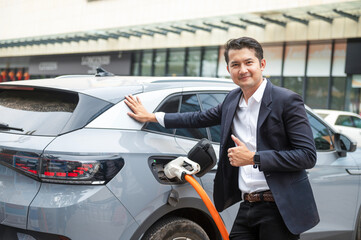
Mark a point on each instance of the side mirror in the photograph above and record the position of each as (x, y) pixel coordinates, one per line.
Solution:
(343, 144)
(203, 154)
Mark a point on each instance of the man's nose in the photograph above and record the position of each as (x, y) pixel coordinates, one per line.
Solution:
(243, 69)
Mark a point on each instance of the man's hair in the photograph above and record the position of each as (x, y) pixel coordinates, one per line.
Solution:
(243, 42)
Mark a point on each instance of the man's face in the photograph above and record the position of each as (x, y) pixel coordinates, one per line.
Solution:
(245, 68)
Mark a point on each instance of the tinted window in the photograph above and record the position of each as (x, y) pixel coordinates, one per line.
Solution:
(190, 104)
(208, 101)
(344, 120)
(171, 105)
(321, 134)
(46, 112)
(356, 122)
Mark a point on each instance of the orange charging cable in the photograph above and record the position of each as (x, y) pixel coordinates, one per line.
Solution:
(217, 219)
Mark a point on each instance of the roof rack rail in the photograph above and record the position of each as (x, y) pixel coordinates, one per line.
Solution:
(101, 72)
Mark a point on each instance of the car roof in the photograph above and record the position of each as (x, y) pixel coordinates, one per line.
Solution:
(334, 112)
(114, 88)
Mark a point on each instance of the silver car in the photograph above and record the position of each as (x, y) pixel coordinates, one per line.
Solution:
(75, 166)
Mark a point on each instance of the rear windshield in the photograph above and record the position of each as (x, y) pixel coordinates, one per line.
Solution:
(41, 112)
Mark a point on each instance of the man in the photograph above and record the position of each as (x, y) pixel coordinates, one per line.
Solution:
(266, 145)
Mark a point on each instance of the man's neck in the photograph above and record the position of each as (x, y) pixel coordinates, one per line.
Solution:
(247, 93)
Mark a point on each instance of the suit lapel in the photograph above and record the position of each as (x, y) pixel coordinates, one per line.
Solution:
(231, 110)
(265, 108)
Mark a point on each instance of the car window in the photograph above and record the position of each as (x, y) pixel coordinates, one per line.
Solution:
(190, 104)
(210, 100)
(46, 112)
(356, 122)
(322, 136)
(344, 120)
(171, 105)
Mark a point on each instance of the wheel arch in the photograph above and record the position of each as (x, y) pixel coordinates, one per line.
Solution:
(190, 208)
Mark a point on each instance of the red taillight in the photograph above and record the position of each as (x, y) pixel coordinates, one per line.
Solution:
(27, 162)
(64, 168)
(80, 169)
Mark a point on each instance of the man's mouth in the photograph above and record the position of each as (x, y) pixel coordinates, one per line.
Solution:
(243, 77)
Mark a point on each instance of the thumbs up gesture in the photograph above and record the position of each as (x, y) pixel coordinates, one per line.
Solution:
(240, 155)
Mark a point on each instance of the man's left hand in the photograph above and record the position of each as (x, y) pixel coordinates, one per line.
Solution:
(240, 155)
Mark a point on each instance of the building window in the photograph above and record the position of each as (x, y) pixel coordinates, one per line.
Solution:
(176, 62)
(273, 56)
(295, 60)
(147, 59)
(294, 67)
(136, 63)
(319, 60)
(318, 75)
(339, 60)
(194, 62)
(294, 83)
(209, 62)
(338, 93)
(222, 65)
(160, 62)
(317, 92)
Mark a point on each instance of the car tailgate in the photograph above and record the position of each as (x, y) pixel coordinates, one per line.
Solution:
(17, 186)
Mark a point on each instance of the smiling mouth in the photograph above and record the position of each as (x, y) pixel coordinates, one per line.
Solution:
(243, 77)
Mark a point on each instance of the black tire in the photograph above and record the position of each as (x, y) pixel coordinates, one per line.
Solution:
(358, 229)
(175, 228)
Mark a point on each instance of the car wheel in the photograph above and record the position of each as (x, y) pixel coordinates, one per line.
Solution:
(175, 228)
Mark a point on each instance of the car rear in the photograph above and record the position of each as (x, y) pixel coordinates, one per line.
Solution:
(45, 189)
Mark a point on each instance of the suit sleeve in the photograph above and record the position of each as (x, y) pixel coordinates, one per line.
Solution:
(202, 119)
(300, 152)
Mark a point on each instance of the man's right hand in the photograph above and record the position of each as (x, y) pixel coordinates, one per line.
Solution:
(139, 113)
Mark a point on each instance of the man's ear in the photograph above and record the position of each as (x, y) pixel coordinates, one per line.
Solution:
(228, 68)
(263, 64)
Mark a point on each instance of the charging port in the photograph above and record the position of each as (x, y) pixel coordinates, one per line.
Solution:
(157, 164)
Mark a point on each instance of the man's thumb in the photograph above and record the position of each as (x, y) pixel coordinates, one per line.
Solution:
(236, 140)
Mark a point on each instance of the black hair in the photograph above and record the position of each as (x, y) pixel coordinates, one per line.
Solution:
(243, 42)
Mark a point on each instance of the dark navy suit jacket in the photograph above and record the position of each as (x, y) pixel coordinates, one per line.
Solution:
(285, 145)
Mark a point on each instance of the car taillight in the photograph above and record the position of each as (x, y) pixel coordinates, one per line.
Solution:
(64, 168)
(27, 162)
(80, 169)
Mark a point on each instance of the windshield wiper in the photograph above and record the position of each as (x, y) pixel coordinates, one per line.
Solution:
(7, 127)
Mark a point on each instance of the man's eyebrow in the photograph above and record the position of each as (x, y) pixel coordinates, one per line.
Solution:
(243, 60)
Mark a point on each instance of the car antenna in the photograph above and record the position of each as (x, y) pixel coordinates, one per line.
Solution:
(101, 72)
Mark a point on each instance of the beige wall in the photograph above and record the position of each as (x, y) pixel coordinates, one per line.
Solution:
(31, 18)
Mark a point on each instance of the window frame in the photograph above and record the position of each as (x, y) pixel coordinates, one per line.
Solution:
(181, 94)
(331, 132)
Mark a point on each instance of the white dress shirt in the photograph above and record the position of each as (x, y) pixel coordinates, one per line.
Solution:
(244, 127)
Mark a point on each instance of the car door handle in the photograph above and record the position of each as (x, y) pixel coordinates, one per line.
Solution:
(353, 171)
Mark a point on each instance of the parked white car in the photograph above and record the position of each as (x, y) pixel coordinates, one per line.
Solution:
(347, 123)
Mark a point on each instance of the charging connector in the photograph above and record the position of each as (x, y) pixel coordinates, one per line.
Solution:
(181, 166)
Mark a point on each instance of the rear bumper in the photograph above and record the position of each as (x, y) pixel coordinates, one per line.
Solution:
(79, 212)
(73, 211)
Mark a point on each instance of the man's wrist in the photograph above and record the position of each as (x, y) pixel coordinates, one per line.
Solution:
(152, 118)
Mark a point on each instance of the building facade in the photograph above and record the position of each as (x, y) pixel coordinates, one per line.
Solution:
(311, 47)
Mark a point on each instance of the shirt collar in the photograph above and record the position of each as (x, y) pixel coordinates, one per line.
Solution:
(258, 94)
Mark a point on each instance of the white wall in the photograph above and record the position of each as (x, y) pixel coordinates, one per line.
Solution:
(29, 18)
